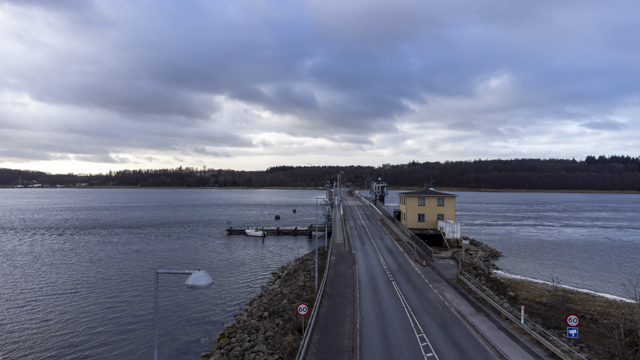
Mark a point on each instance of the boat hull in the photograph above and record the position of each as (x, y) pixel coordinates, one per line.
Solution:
(254, 233)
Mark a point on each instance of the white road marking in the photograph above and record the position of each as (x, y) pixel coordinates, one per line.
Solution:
(415, 325)
(455, 312)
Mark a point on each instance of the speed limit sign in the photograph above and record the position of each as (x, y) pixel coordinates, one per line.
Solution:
(573, 320)
(302, 309)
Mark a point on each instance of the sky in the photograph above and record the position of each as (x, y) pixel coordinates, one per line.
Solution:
(91, 86)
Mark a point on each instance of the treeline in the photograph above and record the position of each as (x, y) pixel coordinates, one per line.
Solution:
(615, 173)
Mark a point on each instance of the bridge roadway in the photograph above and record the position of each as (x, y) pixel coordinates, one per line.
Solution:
(400, 314)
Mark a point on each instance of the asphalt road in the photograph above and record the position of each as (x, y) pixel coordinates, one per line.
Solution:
(400, 315)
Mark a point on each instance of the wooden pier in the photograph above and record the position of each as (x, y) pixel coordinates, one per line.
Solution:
(270, 231)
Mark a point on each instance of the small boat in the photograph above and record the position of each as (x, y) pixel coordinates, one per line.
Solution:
(255, 232)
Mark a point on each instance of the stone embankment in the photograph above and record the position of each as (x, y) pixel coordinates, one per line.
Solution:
(269, 327)
(479, 258)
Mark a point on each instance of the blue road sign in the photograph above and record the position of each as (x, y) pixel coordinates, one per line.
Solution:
(572, 332)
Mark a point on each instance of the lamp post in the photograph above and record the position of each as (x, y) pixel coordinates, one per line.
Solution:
(326, 226)
(198, 279)
(317, 243)
(339, 185)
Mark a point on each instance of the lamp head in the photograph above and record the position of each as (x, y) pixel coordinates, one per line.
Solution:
(199, 280)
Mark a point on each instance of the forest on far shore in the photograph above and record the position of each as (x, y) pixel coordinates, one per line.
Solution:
(602, 173)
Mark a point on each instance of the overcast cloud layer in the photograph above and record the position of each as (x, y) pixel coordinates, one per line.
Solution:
(88, 86)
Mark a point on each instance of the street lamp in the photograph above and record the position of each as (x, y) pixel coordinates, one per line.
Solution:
(198, 279)
(318, 198)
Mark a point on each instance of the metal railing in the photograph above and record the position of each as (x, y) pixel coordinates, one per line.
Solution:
(402, 232)
(555, 345)
(307, 335)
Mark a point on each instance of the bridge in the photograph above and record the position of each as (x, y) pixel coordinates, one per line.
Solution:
(379, 303)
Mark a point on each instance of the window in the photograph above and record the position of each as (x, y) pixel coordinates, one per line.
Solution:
(420, 217)
(440, 201)
(420, 201)
(440, 216)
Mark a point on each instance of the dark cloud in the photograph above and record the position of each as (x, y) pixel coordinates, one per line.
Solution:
(57, 5)
(606, 124)
(101, 158)
(162, 60)
(203, 151)
(135, 76)
(352, 139)
(24, 153)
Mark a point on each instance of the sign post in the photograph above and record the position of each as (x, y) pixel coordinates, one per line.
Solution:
(573, 321)
(302, 309)
(464, 247)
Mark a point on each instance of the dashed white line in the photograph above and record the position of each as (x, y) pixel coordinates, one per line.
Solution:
(415, 325)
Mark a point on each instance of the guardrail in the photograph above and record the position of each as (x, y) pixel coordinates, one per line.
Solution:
(307, 335)
(555, 345)
(347, 239)
(402, 232)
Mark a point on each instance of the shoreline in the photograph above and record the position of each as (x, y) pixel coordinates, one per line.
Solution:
(393, 188)
(268, 327)
(505, 275)
(610, 325)
(109, 187)
(455, 189)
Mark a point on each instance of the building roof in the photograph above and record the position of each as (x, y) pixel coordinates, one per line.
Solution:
(429, 192)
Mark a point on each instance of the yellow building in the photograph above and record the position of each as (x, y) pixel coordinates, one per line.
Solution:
(421, 210)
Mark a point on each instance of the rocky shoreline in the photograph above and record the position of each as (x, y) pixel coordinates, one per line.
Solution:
(269, 328)
(609, 329)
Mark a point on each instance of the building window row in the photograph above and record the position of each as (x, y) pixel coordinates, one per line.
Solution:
(440, 216)
(420, 217)
(420, 201)
(440, 201)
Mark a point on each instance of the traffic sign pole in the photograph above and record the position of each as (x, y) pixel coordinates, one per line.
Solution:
(573, 321)
(302, 309)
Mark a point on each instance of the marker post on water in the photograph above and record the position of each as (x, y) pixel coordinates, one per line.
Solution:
(522, 315)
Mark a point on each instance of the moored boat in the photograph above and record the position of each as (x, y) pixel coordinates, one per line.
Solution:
(255, 232)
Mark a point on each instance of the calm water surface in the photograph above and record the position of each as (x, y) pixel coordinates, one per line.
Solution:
(77, 267)
(590, 241)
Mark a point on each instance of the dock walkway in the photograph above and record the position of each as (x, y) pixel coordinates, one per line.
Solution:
(270, 231)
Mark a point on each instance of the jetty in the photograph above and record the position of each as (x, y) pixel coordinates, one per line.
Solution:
(291, 230)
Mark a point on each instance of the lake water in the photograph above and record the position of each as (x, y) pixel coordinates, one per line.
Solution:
(77, 267)
(589, 241)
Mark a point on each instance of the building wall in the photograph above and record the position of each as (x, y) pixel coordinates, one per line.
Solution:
(409, 210)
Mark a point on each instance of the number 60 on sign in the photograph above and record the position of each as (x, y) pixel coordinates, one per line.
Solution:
(573, 320)
(302, 309)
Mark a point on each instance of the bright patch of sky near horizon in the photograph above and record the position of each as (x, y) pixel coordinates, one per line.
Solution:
(87, 86)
